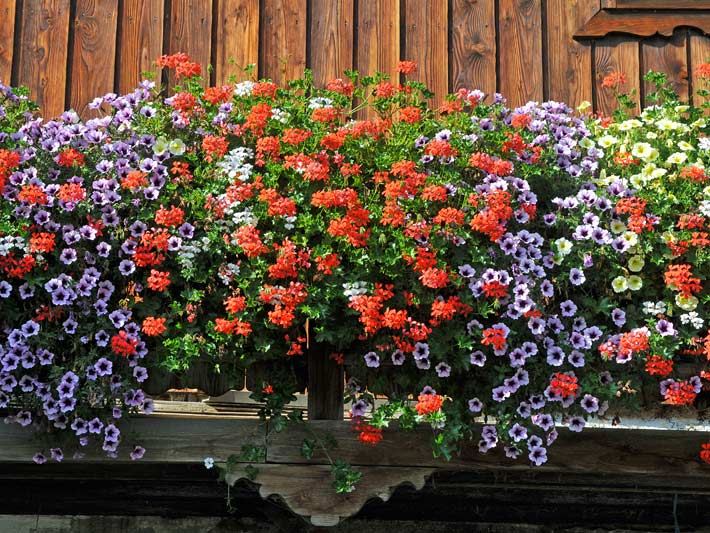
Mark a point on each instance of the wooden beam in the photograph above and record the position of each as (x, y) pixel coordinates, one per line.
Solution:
(648, 453)
(642, 23)
(326, 382)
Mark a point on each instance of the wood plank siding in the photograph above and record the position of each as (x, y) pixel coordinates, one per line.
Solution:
(69, 51)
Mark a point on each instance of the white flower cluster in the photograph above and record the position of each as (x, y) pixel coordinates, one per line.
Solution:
(228, 272)
(693, 319)
(244, 88)
(320, 101)
(235, 163)
(354, 289)
(9, 242)
(186, 256)
(280, 115)
(241, 218)
(657, 308)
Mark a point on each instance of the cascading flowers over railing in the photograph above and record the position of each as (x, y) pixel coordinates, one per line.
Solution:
(499, 273)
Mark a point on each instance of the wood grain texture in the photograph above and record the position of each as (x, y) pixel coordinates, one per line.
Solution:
(699, 53)
(141, 41)
(237, 39)
(612, 449)
(520, 27)
(473, 45)
(616, 54)
(426, 43)
(94, 52)
(569, 62)
(44, 33)
(190, 32)
(652, 458)
(643, 23)
(662, 4)
(282, 48)
(7, 39)
(308, 490)
(378, 41)
(331, 39)
(669, 56)
(173, 440)
(325, 385)
(378, 37)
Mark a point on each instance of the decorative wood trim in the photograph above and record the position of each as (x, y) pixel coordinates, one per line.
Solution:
(642, 23)
(659, 4)
(639, 449)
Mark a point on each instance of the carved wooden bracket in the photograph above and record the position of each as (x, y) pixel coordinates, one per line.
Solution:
(641, 447)
(307, 490)
(644, 22)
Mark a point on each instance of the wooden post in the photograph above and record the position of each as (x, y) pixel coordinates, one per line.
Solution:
(325, 384)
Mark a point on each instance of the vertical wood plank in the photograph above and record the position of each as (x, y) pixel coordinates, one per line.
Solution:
(44, 33)
(616, 54)
(378, 37)
(141, 41)
(331, 39)
(282, 49)
(325, 385)
(569, 62)
(426, 43)
(668, 56)
(94, 52)
(191, 32)
(378, 41)
(7, 39)
(699, 53)
(237, 38)
(473, 50)
(520, 26)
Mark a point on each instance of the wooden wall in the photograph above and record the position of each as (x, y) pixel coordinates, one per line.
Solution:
(68, 51)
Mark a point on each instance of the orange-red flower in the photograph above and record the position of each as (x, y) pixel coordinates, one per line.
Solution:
(324, 114)
(32, 194)
(705, 451)
(340, 86)
(214, 147)
(407, 67)
(679, 393)
(171, 217)
(218, 95)
(42, 242)
(368, 434)
(327, 263)
(70, 157)
(434, 278)
(613, 80)
(9, 161)
(680, 278)
(410, 114)
(658, 366)
(694, 173)
(495, 337)
(450, 215)
(428, 404)
(703, 70)
(158, 281)
(249, 239)
(564, 385)
(134, 180)
(121, 344)
(154, 326)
